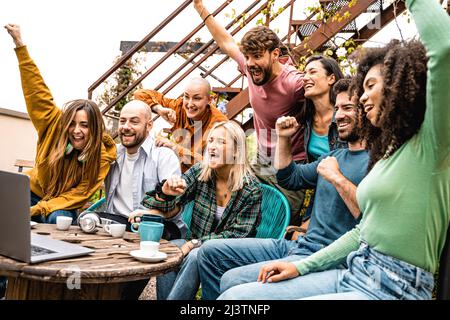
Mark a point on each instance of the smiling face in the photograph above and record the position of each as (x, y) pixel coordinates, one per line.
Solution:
(347, 117)
(79, 130)
(196, 99)
(260, 65)
(134, 125)
(316, 80)
(372, 97)
(219, 148)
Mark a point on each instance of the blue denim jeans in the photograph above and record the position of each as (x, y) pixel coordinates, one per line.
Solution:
(370, 275)
(183, 283)
(51, 218)
(224, 263)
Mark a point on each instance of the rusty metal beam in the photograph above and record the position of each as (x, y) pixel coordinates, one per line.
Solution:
(385, 17)
(210, 52)
(330, 29)
(160, 61)
(137, 47)
(238, 103)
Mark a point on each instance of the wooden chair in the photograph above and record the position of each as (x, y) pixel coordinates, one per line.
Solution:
(20, 163)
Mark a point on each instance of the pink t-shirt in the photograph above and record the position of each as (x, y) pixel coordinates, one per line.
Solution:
(283, 96)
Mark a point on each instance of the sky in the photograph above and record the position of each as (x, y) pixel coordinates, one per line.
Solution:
(74, 42)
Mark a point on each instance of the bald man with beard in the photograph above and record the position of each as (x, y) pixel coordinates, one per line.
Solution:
(140, 164)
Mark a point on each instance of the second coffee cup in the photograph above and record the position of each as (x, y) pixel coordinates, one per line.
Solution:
(149, 230)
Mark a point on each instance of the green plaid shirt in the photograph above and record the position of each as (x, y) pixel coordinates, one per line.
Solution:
(239, 220)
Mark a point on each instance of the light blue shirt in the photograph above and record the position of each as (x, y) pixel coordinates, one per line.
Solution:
(153, 165)
(318, 145)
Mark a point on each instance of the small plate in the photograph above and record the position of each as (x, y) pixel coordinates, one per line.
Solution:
(138, 254)
(33, 224)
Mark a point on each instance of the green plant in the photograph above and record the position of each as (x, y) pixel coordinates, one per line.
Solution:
(120, 80)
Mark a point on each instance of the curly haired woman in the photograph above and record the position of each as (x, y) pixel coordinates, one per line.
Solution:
(394, 251)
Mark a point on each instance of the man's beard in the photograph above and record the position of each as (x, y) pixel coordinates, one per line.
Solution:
(266, 74)
(138, 139)
(352, 136)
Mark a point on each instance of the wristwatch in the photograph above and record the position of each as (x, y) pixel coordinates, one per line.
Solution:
(196, 242)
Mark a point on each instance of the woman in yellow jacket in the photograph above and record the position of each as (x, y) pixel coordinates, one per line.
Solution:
(73, 152)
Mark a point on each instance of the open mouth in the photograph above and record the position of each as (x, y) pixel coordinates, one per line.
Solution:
(213, 155)
(368, 108)
(77, 139)
(191, 110)
(127, 136)
(343, 125)
(309, 86)
(256, 73)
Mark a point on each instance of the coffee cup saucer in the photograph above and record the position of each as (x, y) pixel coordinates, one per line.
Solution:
(142, 256)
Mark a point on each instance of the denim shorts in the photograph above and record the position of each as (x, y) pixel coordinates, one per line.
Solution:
(383, 277)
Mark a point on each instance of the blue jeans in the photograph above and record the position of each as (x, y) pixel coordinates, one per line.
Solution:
(370, 275)
(224, 263)
(183, 283)
(51, 218)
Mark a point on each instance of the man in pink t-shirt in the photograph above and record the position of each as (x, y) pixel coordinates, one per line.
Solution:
(275, 90)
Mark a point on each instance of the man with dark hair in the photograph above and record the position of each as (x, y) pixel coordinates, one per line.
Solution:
(335, 211)
(275, 90)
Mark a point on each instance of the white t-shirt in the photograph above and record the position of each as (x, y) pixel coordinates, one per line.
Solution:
(219, 213)
(123, 201)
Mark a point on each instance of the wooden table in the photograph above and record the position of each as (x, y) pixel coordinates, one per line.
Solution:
(100, 275)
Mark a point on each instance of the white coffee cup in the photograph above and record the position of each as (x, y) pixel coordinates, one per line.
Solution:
(115, 229)
(149, 248)
(63, 223)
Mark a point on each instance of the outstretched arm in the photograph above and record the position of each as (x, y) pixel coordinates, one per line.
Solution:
(14, 32)
(433, 25)
(38, 98)
(223, 38)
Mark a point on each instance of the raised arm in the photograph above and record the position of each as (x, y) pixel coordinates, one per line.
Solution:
(165, 107)
(433, 24)
(285, 127)
(38, 98)
(223, 38)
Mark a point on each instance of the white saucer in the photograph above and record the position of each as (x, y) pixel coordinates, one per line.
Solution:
(138, 254)
(33, 224)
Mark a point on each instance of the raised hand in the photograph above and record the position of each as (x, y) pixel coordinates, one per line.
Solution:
(174, 186)
(328, 168)
(14, 32)
(277, 271)
(168, 114)
(198, 5)
(286, 126)
(161, 141)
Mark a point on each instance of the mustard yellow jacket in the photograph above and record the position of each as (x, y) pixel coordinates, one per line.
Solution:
(46, 118)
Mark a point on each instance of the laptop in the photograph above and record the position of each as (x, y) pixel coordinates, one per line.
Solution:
(16, 239)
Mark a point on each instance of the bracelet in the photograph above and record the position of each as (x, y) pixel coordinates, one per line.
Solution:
(204, 20)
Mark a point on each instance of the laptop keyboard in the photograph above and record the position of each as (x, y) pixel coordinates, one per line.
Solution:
(39, 251)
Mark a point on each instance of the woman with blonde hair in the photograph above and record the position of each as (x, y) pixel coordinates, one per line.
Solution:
(73, 152)
(227, 202)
